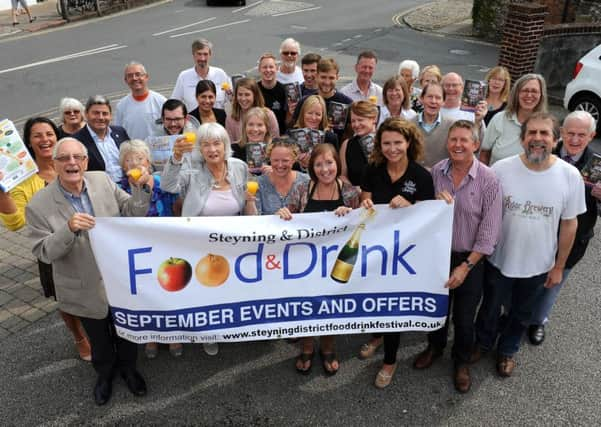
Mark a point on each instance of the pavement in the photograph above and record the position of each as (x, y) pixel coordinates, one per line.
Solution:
(45, 12)
(47, 16)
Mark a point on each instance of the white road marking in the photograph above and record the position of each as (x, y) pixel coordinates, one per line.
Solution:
(346, 40)
(297, 11)
(358, 36)
(210, 28)
(247, 7)
(61, 365)
(102, 49)
(298, 27)
(185, 26)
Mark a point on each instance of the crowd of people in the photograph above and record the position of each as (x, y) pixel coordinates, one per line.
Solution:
(523, 215)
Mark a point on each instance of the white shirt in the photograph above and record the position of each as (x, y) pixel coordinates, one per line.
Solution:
(533, 204)
(294, 77)
(110, 154)
(139, 117)
(458, 114)
(405, 114)
(502, 137)
(352, 91)
(185, 86)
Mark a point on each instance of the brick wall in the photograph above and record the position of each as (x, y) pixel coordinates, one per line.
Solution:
(522, 32)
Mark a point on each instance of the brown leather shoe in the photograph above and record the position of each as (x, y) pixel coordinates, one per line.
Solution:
(505, 366)
(463, 381)
(425, 359)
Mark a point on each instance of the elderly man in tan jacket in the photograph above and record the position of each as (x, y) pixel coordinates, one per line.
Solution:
(59, 217)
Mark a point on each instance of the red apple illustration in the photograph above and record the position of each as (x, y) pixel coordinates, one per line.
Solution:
(174, 274)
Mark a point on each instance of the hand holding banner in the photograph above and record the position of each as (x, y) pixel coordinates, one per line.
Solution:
(251, 278)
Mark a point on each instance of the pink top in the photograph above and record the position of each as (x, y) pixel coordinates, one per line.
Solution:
(221, 203)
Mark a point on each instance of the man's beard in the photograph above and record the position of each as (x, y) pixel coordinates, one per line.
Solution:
(289, 64)
(537, 158)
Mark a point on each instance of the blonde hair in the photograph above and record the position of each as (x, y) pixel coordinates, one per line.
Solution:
(432, 69)
(310, 102)
(261, 113)
(501, 73)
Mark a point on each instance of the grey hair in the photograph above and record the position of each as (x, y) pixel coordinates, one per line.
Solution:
(212, 131)
(513, 103)
(582, 115)
(98, 100)
(288, 41)
(133, 146)
(201, 44)
(452, 74)
(409, 64)
(132, 64)
(60, 143)
(70, 104)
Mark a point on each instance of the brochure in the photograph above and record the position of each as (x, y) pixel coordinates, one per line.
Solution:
(293, 92)
(366, 143)
(591, 172)
(16, 163)
(255, 156)
(161, 148)
(474, 91)
(337, 113)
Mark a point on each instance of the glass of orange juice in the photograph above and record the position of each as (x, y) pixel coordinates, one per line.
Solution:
(252, 187)
(189, 164)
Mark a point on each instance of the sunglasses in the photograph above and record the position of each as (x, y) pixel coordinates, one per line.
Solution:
(68, 113)
(288, 53)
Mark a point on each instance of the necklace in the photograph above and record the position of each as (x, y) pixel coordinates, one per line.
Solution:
(216, 184)
(331, 195)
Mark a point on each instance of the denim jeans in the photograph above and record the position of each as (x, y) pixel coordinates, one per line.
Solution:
(464, 302)
(544, 306)
(524, 294)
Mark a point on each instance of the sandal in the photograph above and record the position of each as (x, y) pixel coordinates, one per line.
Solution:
(304, 358)
(329, 358)
(384, 378)
(368, 349)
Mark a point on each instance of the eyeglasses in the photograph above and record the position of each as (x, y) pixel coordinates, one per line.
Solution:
(174, 119)
(288, 53)
(64, 158)
(68, 113)
(530, 91)
(134, 75)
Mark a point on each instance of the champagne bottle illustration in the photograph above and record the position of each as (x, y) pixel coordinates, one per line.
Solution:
(347, 257)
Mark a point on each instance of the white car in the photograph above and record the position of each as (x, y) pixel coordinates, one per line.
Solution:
(583, 92)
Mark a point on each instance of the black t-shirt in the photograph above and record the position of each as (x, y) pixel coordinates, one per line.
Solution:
(276, 101)
(356, 161)
(305, 91)
(220, 115)
(415, 185)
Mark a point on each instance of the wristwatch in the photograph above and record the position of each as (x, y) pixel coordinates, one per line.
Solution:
(469, 264)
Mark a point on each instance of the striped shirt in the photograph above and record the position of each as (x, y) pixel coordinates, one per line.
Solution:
(478, 207)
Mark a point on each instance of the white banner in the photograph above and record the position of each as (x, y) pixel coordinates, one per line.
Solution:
(208, 279)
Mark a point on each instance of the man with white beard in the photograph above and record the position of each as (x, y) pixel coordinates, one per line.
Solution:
(289, 72)
(540, 193)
